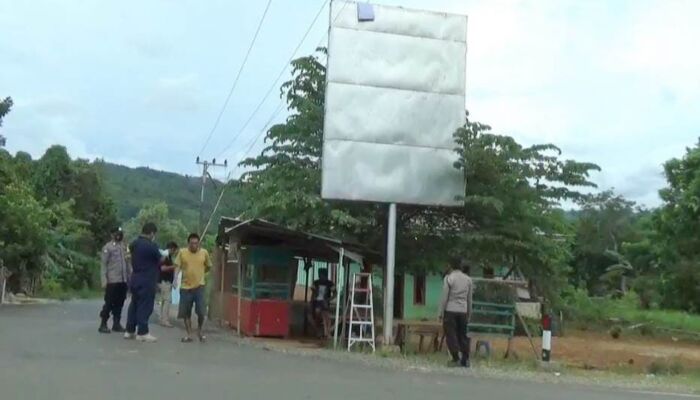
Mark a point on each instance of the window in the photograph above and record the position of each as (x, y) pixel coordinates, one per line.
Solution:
(419, 290)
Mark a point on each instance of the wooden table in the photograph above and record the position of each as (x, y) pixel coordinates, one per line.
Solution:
(406, 328)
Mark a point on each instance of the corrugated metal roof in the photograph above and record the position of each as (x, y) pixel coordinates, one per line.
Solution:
(314, 245)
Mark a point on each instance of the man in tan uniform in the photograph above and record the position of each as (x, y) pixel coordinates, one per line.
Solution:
(455, 311)
(114, 275)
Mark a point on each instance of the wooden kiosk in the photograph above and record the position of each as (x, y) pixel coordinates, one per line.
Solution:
(255, 273)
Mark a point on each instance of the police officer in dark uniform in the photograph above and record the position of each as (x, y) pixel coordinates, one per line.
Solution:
(145, 260)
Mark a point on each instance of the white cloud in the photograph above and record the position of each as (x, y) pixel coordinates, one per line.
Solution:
(35, 124)
(612, 83)
(660, 45)
(175, 94)
(52, 105)
(616, 83)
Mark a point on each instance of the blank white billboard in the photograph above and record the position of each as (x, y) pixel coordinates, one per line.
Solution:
(395, 94)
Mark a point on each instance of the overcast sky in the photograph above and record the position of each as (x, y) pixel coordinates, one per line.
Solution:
(141, 82)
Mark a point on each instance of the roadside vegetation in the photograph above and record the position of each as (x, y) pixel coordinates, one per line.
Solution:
(608, 264)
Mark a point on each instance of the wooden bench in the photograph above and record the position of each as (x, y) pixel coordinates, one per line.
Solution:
(488, 320)
(493, 319)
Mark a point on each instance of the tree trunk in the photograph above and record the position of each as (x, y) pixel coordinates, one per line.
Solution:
(623, 284)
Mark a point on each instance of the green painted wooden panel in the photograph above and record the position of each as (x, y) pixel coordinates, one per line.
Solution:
(258, 255)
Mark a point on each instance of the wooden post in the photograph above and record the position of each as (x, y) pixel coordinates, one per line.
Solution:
(240, 293)
(3, 278)
(223, 258)
(306, 296)
(337, 304)
(529, 336)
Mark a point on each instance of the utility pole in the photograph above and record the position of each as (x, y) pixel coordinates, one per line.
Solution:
(205, 173)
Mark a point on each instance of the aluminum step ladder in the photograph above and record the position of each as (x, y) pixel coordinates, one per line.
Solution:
(361, 322)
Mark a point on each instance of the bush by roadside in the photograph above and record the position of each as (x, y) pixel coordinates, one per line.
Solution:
(601, 313)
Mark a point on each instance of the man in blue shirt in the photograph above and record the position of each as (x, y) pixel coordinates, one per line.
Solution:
(145, 260)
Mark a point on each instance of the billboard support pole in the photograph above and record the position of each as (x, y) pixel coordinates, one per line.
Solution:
(390, 264)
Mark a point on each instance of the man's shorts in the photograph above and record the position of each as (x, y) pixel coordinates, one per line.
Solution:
(188, 297)
(320, 306)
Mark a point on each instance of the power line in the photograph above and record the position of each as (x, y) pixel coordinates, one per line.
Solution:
(274, 84)
(205, 174)
(238, 76)
(279, 108)
(320, 42)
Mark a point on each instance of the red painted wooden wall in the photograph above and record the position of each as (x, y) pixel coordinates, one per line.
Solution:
(268, 318)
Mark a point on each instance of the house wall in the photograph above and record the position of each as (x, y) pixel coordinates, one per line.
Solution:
(433, 291)
(433, 288)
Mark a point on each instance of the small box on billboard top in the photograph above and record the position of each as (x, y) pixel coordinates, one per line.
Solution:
(395, 95)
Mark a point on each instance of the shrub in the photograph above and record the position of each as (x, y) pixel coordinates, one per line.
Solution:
(616, 331)
(676, 368)
(583, 309)
(646, 330)
(658, 367)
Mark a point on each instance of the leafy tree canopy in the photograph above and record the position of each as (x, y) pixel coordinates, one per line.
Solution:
(168, 229)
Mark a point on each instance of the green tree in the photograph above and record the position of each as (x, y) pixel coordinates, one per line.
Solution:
(168, 229)
(605, 223)
(23, 165)
(510, 216)
(70, 261)
(24, 234)
(284, 183)
(643, 251)
(53, 175)
(92, 204)
(5, 107)
(58, 179)
(54, 213)
(678, 224)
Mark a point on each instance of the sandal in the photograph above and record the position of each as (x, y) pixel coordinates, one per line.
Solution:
(186, 340)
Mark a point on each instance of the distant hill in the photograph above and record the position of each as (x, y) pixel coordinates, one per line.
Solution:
(132, 188)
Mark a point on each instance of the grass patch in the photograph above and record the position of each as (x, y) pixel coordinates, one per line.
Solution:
(676, 320)
(440, 359)
(69, 294)
(584, 312)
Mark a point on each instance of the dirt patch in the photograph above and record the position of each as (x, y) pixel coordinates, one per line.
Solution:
(600, 351)
(578, 349)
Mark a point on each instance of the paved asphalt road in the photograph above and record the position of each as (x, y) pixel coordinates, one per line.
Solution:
(54, 352)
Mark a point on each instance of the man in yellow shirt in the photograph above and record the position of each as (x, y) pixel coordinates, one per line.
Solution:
(194, 263)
